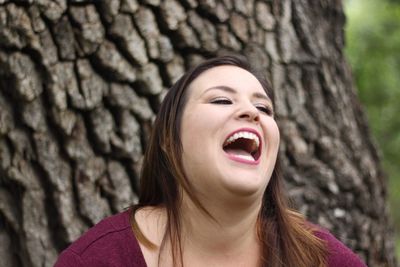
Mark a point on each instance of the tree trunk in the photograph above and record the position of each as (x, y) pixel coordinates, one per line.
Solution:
(80, 83)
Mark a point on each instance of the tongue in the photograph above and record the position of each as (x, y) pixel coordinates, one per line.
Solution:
(239, 153)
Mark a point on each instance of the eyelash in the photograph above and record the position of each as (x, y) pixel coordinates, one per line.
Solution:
(265, 109)
(222, 101)
(225, 101)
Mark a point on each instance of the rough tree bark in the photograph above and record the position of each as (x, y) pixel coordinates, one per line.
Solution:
(80, 82)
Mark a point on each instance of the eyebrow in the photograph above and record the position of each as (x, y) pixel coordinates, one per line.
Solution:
(233, 91)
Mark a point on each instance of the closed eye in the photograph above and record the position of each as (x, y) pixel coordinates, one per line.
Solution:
(265, 109)
(221, 101)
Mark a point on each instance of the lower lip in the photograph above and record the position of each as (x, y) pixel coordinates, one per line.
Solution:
(242, 160)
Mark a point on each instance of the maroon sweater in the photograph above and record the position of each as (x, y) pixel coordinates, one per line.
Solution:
(112, 243)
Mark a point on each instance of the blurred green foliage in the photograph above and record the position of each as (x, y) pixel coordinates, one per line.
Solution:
(373, 48)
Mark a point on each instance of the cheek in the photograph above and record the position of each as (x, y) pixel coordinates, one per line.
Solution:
(198, 124)
(272, 132)
(276, 133)
(193, 132)
(272, 142)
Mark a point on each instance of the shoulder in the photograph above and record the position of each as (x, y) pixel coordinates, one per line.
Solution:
(111, 242)
(338, 253)
(152, 222)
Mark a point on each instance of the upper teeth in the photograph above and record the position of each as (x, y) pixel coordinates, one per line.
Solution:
(246, 135)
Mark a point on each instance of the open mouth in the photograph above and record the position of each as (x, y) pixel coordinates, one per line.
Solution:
(243, 145)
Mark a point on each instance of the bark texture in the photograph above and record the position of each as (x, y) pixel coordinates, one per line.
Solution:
(80, 83)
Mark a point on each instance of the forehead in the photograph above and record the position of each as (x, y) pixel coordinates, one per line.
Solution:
(230, 76)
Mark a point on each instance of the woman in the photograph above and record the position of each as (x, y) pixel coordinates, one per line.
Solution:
(211, 192)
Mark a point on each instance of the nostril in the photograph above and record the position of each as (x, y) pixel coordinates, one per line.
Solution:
(250, 116)
(248, 112)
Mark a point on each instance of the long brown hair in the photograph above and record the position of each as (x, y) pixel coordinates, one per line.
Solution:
(285, 237)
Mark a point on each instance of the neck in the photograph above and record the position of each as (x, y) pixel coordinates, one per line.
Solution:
(230, 233)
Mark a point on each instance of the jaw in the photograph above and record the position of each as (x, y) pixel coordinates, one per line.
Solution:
(243, 180)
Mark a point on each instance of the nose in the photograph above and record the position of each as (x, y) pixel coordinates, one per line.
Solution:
(249, 112)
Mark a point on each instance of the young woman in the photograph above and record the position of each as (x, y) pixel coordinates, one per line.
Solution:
(211, 192)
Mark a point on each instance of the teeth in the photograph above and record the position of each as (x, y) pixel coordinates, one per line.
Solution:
(246, 135)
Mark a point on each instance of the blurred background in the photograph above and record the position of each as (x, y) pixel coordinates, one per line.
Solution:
(373, 50)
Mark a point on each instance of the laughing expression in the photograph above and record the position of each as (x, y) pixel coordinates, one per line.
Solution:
(229, 136)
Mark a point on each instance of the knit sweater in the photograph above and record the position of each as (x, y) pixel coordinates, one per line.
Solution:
(111, 242)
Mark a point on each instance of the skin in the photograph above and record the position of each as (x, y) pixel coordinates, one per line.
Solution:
(220, 101)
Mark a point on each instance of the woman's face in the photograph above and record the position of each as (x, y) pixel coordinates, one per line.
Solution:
(230, 139)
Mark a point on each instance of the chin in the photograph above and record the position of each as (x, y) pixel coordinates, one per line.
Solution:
(249, 187)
